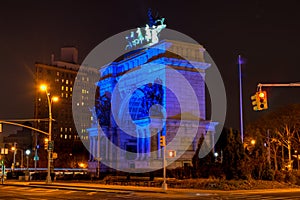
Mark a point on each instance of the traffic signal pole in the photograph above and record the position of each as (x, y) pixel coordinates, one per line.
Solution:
(260, 99)
(278, 85)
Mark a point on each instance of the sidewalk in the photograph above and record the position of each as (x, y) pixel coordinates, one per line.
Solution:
(83, 186)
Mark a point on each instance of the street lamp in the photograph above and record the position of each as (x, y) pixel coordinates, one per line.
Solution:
(14, 149)
(27, 152)
(50, 147)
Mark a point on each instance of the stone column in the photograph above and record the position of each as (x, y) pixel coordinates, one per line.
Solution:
(91, 147)
(147, 143)
(142, 144)
(158, 145)
(137, 145)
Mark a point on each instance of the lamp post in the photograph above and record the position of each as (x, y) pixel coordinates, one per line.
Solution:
(27, 152)
(14, 149)
(49, 100)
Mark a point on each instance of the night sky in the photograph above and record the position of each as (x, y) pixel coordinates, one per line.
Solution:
(265, 33)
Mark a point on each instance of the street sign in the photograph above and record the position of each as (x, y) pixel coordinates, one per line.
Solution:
(36, 158)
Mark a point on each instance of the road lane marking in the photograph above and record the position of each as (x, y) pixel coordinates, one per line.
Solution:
(69, 192)
(91, 193)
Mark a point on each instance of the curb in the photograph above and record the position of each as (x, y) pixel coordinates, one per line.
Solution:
(84, 188)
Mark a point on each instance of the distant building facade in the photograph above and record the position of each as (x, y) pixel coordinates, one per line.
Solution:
(59, 76)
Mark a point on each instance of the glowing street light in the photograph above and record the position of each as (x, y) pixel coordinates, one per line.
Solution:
(27, 152)
(50, 147)
(253, 142)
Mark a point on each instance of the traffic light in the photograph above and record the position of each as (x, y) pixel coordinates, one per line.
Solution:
(46, 144)
(172, 153)
(255, 101)
(162, 141)
(262, 100)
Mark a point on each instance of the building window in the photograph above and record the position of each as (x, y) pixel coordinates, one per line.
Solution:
(66, 129)
(70, 137)
(66, 136)
(62, 87)
(66, 95)
(70, 129)
(62, 94)
(61, 129)
(61, 135)
(71, 89)
(62, 80)
(57, 73)
(67, 81)
(67, 89)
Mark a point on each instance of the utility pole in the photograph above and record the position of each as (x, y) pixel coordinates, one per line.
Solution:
(269, 150)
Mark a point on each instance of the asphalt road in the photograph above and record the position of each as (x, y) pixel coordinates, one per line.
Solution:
(31, 193)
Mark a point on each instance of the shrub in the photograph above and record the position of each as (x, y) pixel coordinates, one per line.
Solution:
(290, 177)
(268, 174)
(279, 176)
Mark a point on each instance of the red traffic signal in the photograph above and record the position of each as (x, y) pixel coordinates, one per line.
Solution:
(262, 103)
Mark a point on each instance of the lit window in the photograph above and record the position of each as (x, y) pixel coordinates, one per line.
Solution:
(82, 103)
(71, 89)
(62, 80)
(67, 89)
(67, 81)
(66, 95)
(70, 137)
(61, 135)
(62, 94)
(66, 136)
(57, 73)
(77, 104)
(62, 88)
(66, 129)
(61, 129)
(70, 129)
(40, 99)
